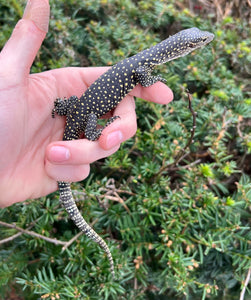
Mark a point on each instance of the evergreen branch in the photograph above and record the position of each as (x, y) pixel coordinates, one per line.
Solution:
(213, 245)
(245, 284)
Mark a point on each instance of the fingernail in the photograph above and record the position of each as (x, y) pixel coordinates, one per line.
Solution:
(114, 138)
(38, 11)
(59, 154)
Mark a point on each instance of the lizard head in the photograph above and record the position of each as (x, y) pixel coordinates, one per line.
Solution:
(195, 38)
(190, 39)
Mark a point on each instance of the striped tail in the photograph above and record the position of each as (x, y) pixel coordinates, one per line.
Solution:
(68, 202)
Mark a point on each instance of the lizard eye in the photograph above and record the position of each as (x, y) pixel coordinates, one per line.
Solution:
(191, 45)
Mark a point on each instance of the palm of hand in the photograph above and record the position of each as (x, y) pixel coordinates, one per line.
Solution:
(27, 128)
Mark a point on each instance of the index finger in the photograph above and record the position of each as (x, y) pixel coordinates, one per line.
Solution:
(158, 93)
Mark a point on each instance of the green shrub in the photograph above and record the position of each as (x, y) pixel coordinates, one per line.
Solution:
(176, 221)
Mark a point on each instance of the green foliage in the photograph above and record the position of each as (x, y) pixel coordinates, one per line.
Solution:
(176, 231)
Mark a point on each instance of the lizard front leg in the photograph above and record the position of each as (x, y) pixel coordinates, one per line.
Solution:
(144, 77)
(62, 106)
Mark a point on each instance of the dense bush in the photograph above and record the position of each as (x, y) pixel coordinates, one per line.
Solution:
(176, 219)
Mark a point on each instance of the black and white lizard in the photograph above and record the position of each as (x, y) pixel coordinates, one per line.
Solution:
(105, 94)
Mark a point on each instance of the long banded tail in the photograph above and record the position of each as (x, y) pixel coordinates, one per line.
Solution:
(68, 202)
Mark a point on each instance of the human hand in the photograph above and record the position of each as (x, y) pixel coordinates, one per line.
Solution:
(32, 157)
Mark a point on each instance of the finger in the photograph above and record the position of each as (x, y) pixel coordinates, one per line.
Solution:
(75, 165)
(67, 173)
(19, 52)
(77, 152)
(158, 93)
(123, 128)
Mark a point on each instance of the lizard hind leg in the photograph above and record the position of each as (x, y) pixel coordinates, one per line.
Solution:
(68, 202)
(91, 131)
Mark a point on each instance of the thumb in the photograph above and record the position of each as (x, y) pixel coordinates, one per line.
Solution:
(19, 52)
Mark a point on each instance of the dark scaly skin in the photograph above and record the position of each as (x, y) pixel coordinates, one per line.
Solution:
(105, 94)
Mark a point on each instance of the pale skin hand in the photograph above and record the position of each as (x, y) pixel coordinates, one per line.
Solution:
(32, 157)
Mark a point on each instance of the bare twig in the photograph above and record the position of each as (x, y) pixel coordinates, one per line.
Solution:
(245, 284)
(117, 198)
(67, 244)
(14, 236)
(111, 193)
(194, 163)
(31, 233)
(11, 238)
(240, 119)
(182, 153)
(189, 142)
(224, 127)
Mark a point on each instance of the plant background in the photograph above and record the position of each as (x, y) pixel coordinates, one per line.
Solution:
(175, 230)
